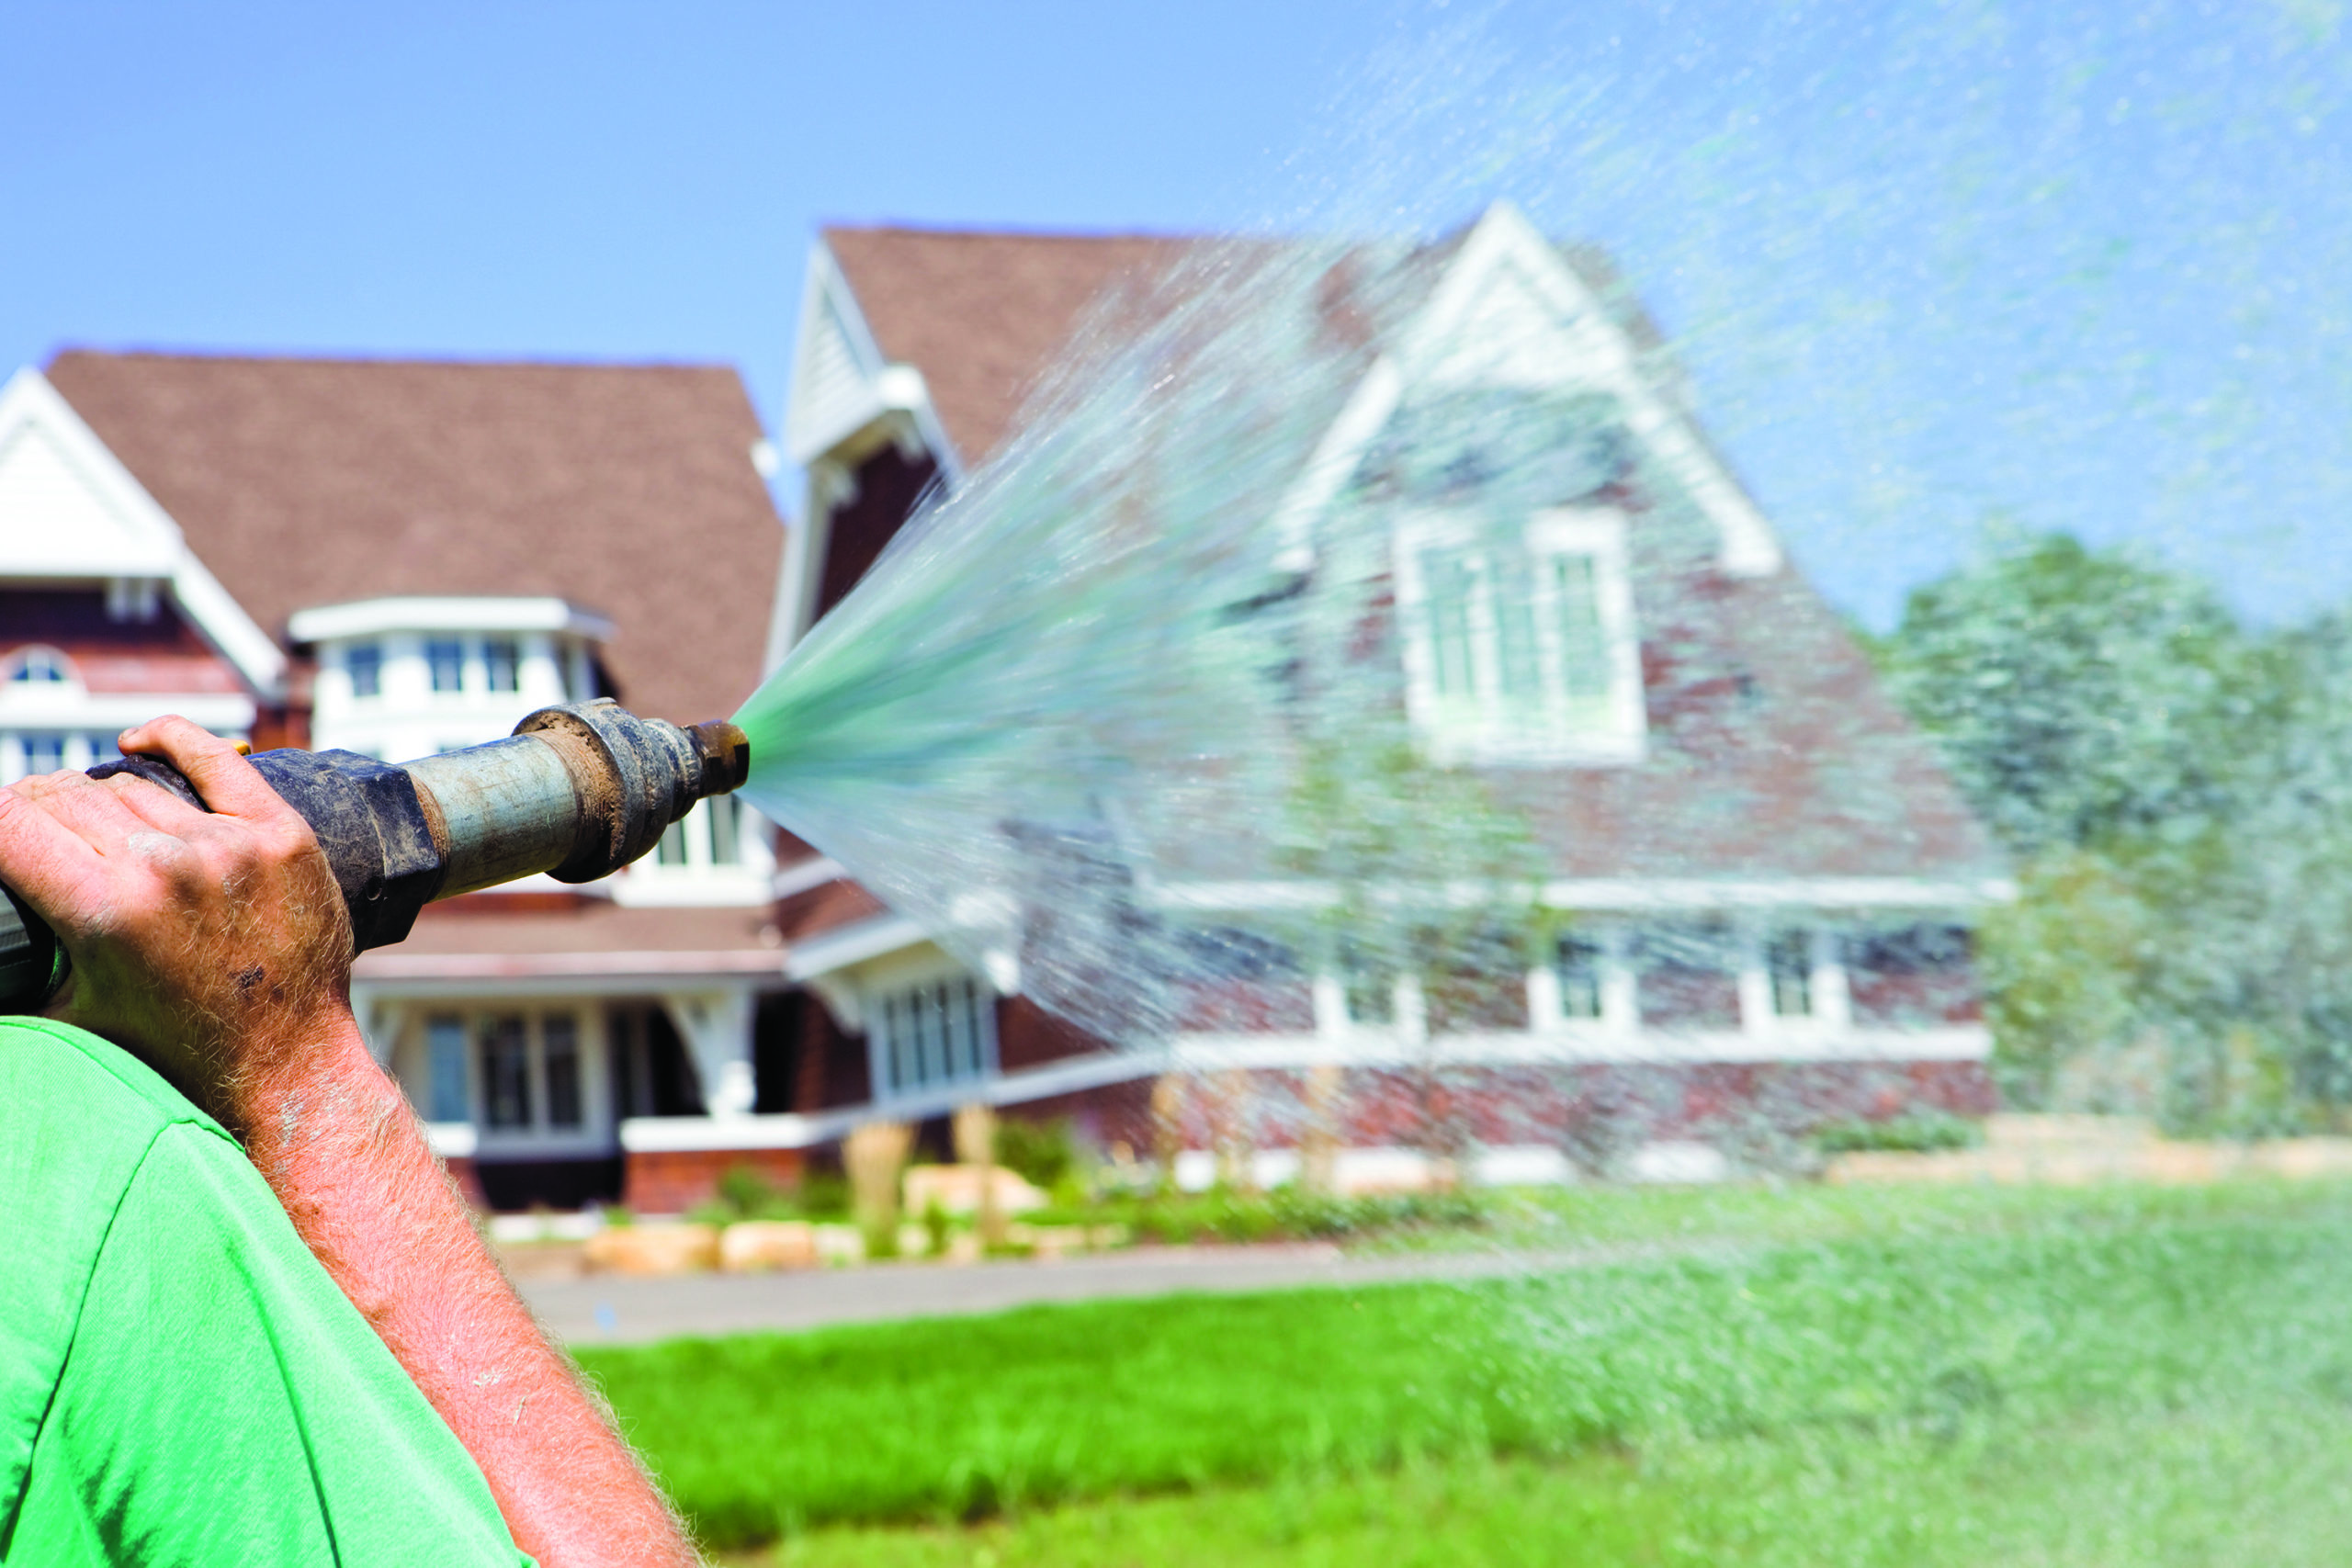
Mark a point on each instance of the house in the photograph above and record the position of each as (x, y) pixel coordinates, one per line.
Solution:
(1759, 886)
(401, 557)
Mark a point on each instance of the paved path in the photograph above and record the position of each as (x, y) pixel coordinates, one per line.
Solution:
(613, 1310)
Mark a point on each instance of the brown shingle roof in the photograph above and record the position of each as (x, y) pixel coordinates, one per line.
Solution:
(983, 315)
(626, 490)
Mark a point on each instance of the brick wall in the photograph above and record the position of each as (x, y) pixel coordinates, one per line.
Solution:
(673, 1181)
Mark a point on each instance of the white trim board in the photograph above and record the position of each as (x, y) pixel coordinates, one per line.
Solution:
(444, 613)
(1389, 1048)
(1605, 895)
(797, 1130)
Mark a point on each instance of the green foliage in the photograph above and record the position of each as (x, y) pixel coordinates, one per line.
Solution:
(1915, 1132)
(2076, 694)
(2226, 1301)
(2179, 794)
(1044, 1153)
(1286, 1214)
(825, 1195)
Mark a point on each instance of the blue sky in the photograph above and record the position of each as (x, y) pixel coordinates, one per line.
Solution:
(2079, 267)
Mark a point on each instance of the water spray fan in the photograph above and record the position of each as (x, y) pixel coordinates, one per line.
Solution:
(576, 791)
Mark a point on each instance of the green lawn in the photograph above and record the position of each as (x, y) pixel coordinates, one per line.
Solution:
(2123, 1375)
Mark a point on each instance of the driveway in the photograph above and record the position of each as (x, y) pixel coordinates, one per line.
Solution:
(614, 1310)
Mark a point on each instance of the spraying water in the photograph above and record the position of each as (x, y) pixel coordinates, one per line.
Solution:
(1161, 712)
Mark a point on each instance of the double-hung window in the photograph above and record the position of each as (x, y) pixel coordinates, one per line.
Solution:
(932, 1034)
(1520, 643)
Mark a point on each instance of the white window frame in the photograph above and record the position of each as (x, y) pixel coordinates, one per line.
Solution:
(873, 1007)
(594, 1133)
(1481, 728)
(1619, 1012)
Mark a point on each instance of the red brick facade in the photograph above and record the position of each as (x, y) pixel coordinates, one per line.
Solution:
(671, 1181)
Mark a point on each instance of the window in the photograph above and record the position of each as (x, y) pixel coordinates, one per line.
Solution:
(1368, 986)
(939, 1033)
(445, 657)
(39, 667)
(44, 753)
(671, 850)
(559, 1039)
(446, 1097)
(1519, 639)
(1788, 959)
(1576, 960)
(363, 661)
(506, 1073)
(501, 664)
(726, 829)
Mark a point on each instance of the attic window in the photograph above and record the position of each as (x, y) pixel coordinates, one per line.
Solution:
(1520, 644)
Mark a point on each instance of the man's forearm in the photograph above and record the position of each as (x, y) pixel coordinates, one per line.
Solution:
(339, 1145)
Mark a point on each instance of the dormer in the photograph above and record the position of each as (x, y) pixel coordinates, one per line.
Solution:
(409, 677)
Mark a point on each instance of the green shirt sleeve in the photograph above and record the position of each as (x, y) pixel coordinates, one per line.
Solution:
(221, 1402)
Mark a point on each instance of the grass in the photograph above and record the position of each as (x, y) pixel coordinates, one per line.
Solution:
(2263, 1485)
(1896, 1375)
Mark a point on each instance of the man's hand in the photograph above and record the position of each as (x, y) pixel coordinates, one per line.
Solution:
(214, 944)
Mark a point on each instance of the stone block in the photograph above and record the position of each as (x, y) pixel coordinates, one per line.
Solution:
(956, 1190)
(754, 1246)
(654, 1249)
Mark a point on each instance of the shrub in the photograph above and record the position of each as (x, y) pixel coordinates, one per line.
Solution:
(1914, 1132)
(1043, 1154)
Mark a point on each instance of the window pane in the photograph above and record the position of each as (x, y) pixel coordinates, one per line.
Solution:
(1519, 666)
(365, 663)
(501, 662)
(44, 753)
(724, 810)
(1583, 651)
(448, 659)
(1789, 957)
(506, 1073)
(1576, 962)
(671, 850)
(559, 1034)
(973, 1064)
(1371, 988)
(446, 1096)
(1450, 579)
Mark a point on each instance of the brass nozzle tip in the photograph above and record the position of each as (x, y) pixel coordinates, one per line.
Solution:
(726, 756)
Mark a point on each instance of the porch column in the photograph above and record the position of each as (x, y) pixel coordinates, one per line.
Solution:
(715, 1026)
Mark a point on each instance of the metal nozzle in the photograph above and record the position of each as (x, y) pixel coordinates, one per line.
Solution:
(726, 754)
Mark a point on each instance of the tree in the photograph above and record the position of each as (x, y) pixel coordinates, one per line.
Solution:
(2077, 695)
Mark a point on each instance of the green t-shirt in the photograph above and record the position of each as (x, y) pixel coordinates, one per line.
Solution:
(180, 1381)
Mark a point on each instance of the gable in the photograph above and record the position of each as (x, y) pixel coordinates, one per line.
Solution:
(1511, 311)
(66, 510)
(72, 513)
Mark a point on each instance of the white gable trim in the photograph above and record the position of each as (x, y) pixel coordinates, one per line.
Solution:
(151, 546)
(840, 384)
(845, 402)
(1505, 245)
